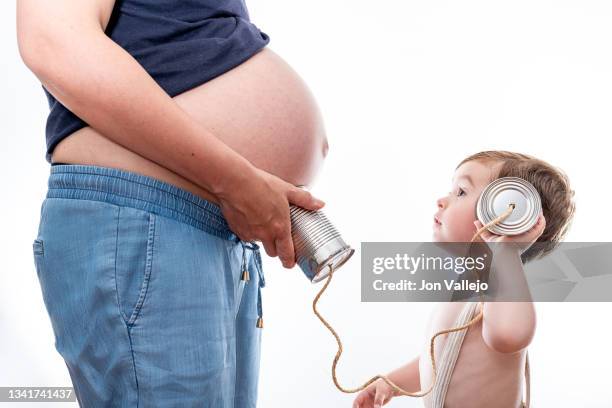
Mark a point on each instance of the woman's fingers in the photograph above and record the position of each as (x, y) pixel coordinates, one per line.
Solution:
(284, 247)
(270, 247)
(303, 198)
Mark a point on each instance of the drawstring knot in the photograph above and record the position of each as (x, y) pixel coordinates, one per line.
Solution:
(245, 275)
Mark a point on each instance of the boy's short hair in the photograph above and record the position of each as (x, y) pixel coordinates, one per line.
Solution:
(552, 185)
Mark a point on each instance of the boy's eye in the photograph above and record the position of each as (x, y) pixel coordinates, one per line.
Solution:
(460, 192)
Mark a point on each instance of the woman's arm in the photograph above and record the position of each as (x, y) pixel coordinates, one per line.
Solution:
(64, 45)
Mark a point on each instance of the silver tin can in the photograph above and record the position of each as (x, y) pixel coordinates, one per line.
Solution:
(496, 198)
(318, 245)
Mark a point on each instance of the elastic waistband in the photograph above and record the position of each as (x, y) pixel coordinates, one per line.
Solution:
(124, 188)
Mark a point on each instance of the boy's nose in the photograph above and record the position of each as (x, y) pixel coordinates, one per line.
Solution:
(441, 203)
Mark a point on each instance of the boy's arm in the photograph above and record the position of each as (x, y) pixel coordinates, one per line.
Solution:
(379, 392)
(407, 376)
(508, 327)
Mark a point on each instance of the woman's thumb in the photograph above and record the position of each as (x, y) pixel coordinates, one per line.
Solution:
(303, 198)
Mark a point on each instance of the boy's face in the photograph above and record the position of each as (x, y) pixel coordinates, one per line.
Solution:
(454, 221)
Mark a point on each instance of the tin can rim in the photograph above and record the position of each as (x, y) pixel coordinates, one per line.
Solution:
(531, 205)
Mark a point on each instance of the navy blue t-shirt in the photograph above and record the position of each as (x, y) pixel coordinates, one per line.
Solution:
(180, 43)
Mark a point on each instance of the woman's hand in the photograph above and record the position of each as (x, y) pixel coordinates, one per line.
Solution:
(256, 207)
(375, 395)
(521, 242)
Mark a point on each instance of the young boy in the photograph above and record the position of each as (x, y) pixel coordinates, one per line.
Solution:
(488, 371)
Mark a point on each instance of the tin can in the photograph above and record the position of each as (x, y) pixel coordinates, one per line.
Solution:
(496, 198)
(318, 245)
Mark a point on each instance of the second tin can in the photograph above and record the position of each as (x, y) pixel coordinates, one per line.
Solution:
(496, 198)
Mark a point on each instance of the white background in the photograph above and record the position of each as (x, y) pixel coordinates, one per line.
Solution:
(407, 90)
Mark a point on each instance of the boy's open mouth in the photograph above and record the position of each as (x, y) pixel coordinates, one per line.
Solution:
(437, 221)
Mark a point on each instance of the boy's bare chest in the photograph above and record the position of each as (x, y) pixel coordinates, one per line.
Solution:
(480, 375)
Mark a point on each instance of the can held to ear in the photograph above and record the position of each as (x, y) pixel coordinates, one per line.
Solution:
(496, 198)
(318, 245)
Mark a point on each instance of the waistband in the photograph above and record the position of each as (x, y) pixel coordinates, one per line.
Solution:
(125, 188)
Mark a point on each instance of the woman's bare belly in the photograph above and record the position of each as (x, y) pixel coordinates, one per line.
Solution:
(261, 108)
(482, 377)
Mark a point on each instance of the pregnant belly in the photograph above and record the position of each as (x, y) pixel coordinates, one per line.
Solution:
(262, 109)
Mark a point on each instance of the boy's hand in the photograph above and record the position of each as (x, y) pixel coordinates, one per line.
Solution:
(375, 395)
(522, 241)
